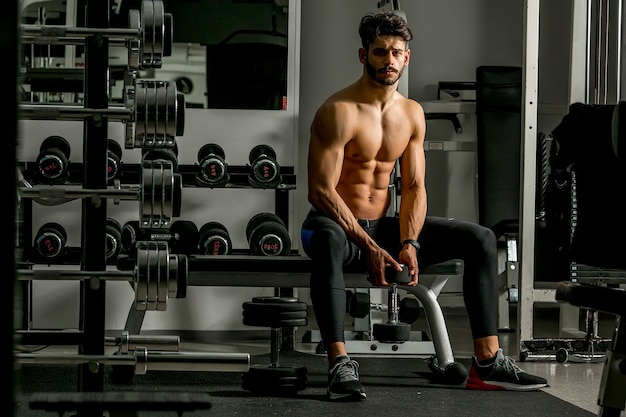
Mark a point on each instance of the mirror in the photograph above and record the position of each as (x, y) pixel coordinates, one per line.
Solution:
(229, 54)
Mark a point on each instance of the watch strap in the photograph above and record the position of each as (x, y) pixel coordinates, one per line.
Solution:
(411, 242)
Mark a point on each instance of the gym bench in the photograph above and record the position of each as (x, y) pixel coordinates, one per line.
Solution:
(288, 272)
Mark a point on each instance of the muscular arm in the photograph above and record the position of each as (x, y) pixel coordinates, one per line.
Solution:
(413, 202)
(332, 127)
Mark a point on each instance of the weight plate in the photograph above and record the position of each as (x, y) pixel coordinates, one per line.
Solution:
(173, 112)
(391, 333)
(139, 94)
(161, 114)
(183, 276)
(179, 112)
(274, 320)
(172, 282)
(147, 194)
(168, 195)
(259, 322)
(271, 308)
(273, 299)
(274, 379)
(177, 195)
(134, 44)
(152, 136)
(163, 278)
(147, 40)
(168, 36)
(141, 282)
(159, 33)
(153, 275)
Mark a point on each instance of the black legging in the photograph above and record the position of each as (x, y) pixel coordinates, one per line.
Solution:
(441, 239)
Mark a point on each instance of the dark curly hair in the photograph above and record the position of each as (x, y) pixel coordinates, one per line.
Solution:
(383, 24)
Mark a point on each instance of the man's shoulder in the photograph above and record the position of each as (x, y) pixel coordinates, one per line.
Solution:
(340, 102)
(411, 103)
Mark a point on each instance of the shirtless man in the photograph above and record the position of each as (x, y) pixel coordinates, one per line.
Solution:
(357, 135)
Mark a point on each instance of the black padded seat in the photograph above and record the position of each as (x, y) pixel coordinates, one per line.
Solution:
(499, 137)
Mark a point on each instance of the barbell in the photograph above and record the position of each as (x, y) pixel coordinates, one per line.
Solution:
(159, 194)
(156, 276)
(148, 38)
(154, 114)
(142, 361)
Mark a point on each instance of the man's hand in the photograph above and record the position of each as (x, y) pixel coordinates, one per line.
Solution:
(377, 260)
(408, 257)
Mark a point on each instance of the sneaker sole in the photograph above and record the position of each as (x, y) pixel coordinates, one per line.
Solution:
(352, 396)
(480, 385)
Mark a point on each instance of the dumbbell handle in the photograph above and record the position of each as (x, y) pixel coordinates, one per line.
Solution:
(60, 275)
(153, 361)
(130, 342)
(57, 34)
(393, 306)
(136, 235)
(72, 112)
(64, 193)
(163, 236)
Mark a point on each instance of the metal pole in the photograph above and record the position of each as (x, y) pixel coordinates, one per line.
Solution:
(93, 297)
(529, 152)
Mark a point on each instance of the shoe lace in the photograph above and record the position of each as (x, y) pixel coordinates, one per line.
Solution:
(509, 365)
(348, 370)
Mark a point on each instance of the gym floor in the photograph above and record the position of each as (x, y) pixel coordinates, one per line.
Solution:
(576, 382)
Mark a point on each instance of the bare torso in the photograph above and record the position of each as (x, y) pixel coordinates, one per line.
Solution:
(380, 137)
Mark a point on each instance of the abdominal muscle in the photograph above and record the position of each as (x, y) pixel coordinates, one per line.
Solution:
(364, 187)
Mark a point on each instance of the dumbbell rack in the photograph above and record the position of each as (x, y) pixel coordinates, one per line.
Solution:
(95, 116)
(130, 174)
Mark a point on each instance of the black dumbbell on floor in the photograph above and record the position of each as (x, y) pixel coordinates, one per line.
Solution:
(409, 310)
(267, 235)
(53, 160)
(50, 242)
(213, 166)
(358, 305)
(214, 239)
(182, 236)
(265, 171)
(276, 313)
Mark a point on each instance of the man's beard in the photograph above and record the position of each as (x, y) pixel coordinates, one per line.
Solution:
(371, 71)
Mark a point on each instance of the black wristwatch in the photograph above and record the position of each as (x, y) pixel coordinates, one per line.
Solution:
(411, 242)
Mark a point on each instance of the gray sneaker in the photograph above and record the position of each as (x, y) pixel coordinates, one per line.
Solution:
(502, 375)
(343, 381)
